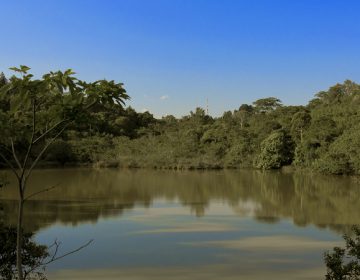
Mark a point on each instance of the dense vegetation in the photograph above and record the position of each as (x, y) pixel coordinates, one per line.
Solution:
(322, 136)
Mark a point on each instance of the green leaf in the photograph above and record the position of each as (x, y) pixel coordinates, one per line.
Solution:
(24, 68)
(69, 72)
(15, 69)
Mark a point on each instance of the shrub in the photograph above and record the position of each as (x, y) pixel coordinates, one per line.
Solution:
(276, 150)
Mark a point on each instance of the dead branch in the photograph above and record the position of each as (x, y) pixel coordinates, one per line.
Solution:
(14, 154)
(41, 191)
(49, 130)
(43, 151)
(54, 256)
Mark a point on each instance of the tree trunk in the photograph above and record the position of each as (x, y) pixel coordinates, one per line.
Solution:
(19, 236)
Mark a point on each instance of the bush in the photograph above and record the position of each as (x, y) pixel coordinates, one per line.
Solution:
(93, 149)
(334, 163)
(60, 152)
(344, 263)
(343, 156)
(276, 150)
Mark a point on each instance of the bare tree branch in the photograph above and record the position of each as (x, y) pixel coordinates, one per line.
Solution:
(54, 257)
(41, 191)
(57, 245)
(31, 141)
(52, 245)
(49, 130)
(43, 151)
(14, 154)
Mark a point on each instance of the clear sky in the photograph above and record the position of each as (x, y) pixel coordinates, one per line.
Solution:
(174, 54)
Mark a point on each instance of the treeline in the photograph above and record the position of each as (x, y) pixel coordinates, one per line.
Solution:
(323, 136)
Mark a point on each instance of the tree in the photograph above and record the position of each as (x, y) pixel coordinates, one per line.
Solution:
(266, 105)
(344, 263)
(276, 151)
(300, 122)
(38, 112)
(199, 117)
(3, 80)
(343, 155)
(243, 114)
(241, 151)
(323, 130)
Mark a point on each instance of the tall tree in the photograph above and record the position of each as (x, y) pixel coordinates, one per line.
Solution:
(243, 114)
(266, 105)
(300, 122)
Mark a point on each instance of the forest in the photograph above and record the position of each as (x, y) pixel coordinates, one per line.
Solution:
(323, 136)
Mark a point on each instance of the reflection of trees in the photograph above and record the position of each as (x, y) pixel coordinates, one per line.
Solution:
(86, 195)
(40, 214)
(326, 201)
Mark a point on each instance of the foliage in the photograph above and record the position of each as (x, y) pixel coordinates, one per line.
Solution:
(266, 105)
(60, 152)
(343, 156)
(299, 123)
(344, 263)
(33, 255)
(321, 136)
(92, 149)
(276, 151)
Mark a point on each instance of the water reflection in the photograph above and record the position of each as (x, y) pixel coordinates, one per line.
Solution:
(85, 195)
(215, 272)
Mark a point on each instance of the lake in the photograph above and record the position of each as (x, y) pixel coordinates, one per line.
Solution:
(146, 224)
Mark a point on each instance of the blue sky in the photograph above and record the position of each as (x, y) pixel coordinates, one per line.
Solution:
(174, 54)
